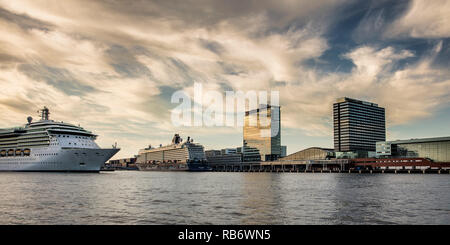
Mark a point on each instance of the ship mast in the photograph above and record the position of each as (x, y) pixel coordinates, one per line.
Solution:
(44, 114)
(176, 139)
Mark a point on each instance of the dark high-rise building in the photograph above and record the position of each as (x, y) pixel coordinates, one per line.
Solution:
(262, 132)
(358, 125)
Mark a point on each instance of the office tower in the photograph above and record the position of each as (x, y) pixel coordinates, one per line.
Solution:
(358, 125)
(262, 131)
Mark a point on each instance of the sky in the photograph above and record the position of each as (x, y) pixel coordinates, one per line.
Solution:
(113, 66)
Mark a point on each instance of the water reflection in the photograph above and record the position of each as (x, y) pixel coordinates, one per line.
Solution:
(360, 199)
(262, 202)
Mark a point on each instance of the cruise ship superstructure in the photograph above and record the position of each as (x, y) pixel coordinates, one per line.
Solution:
(47, 145)
(178, 156)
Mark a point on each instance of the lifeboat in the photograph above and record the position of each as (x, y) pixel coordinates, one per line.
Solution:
(3, 153)
(18, 152)
(11, 152)
(26, 152)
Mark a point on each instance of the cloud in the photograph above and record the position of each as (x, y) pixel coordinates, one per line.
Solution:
(370, 26)
(61, 79)
(424, 19)
(23, 20)
(370, 62)
(409, 93)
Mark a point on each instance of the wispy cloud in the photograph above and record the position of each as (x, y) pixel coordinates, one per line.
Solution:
(424, 19)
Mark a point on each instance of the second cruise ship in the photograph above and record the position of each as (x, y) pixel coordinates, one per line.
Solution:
(178, 156)
(47, 145)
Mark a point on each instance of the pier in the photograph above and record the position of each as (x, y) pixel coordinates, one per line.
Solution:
(329, 166)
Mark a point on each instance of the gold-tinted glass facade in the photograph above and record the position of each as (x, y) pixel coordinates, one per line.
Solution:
(262, 130)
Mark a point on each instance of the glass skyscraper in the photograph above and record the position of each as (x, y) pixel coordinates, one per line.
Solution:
(262, 130)
(358, 125)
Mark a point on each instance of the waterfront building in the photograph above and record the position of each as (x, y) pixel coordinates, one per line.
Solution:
(122, 163)
(398, 163)
(354, 154)
(249, 154)
(223, 156)
(262, 131)
(437, 149)
(283, 151)
(358, 125)
(312, 153)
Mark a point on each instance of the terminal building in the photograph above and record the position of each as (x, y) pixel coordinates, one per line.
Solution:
(436, 149)
(312, 153)
(237, 155)
(124, 163)
(224, 156)
(249, 154)
(262, 131)
(358, 125)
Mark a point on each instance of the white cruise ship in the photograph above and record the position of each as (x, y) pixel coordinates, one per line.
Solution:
(48, 145)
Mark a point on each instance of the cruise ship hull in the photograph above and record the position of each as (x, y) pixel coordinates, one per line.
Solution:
(62, 160)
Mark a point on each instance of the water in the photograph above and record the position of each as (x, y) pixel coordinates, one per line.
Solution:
(133, 197)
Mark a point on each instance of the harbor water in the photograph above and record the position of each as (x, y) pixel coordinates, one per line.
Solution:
(134, 197)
